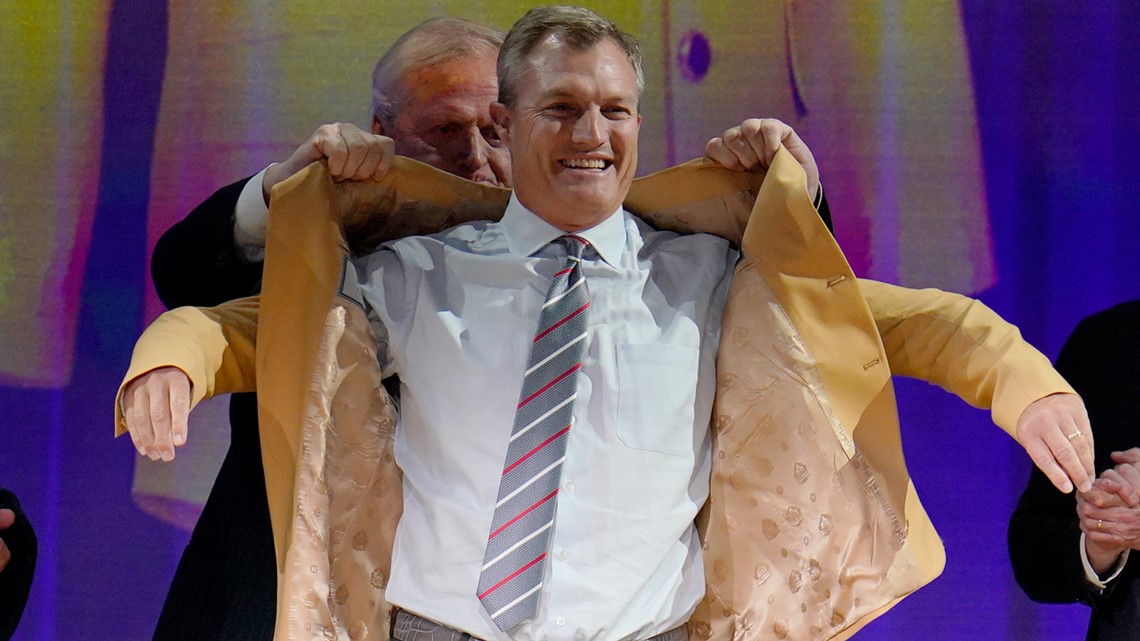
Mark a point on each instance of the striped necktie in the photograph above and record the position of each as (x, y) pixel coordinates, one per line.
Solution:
(514, 563)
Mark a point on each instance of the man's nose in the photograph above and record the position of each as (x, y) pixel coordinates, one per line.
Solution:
(588, 128)
(473, 151)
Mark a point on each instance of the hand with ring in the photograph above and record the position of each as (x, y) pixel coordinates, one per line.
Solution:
(1109, 512)
(1054, 430)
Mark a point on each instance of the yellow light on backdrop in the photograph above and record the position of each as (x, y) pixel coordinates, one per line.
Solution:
(51, 129)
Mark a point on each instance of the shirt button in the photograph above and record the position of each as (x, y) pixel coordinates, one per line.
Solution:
(564, 554)
(569, 487)
(560, 621)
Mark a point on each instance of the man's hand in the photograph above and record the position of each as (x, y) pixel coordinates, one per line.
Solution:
(1109, 516)
(753, 145)
(1055, 433)
(352, 153)
(156, 406)
(7, 518)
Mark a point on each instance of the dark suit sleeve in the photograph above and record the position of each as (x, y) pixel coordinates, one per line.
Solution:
(16, 577)
(195, 261)
(823, 208)
(1044, 532)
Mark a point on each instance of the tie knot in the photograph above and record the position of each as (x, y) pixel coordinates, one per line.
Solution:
(574, 245)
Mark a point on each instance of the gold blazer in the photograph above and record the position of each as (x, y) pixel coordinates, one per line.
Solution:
(812, 527)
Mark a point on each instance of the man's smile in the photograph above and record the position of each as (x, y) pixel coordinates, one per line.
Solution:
(586, 163)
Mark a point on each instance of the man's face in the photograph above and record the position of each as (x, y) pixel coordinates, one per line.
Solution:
(573, 133)
(445, 120)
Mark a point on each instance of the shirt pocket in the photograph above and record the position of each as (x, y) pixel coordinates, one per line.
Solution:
(657, 386)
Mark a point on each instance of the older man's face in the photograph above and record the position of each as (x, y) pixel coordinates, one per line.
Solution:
(573, 133)
(445, 120)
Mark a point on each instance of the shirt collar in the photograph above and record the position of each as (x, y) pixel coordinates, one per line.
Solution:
(527, 233)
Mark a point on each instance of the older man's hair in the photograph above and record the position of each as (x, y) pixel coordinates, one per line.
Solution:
(432, 42)
(575, 27)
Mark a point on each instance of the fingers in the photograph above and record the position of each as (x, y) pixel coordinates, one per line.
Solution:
(1119, 485)
(1127, 457)
(750, 145)
(1075, 455)
(7, 518)
(1055, 432)
(1118, 530)
(1105, 516)
(1045, 461)
(179, 412)
(1080, 425)
(719, 152)
(352, 153)
(1129, 477)
(766, 135)
(156, 406)
(753, 145)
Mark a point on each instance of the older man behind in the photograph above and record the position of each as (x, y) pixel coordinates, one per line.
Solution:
(431, 95)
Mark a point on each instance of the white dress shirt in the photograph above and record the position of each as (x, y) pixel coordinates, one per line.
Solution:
(251, 217)
(457, 312)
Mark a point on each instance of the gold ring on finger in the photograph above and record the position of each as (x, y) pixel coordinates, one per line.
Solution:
(1099, 523)
(1076, 434)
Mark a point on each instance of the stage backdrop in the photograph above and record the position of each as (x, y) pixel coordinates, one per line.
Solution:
(979, 147)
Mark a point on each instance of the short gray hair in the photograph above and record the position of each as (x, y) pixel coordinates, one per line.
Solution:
(431, 42)
(575, 27)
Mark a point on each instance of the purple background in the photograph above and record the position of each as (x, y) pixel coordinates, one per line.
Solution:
(1056, 86)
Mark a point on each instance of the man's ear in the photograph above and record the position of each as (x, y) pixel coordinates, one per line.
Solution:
(378, 127)
(501, 116)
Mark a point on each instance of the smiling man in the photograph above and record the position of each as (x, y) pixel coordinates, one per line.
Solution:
(558, 369)
(618, 385)
(571, 120)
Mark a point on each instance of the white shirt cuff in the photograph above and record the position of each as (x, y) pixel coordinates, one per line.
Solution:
(251, 215)
(1091, 575)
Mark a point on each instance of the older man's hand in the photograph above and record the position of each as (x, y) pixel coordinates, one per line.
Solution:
(156, 407)
(1055, 432)
(352, 153)
(753, 144)
(7, 518)
(1109, 516)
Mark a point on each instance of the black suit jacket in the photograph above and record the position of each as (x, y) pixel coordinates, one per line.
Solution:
(16, 578)
(1101, 359)
(225, 586)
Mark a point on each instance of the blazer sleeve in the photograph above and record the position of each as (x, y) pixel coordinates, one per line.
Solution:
(215, 347)
(196, 263)
(962, 346)
(16, 577)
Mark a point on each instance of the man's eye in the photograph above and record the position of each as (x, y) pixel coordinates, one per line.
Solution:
(491, 134)
(444, 130)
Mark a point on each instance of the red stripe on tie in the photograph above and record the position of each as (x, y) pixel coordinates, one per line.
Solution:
(531, 453)
(565, 271)
(556, 325)
(548, 385)
(523, 513)
(513, 575)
